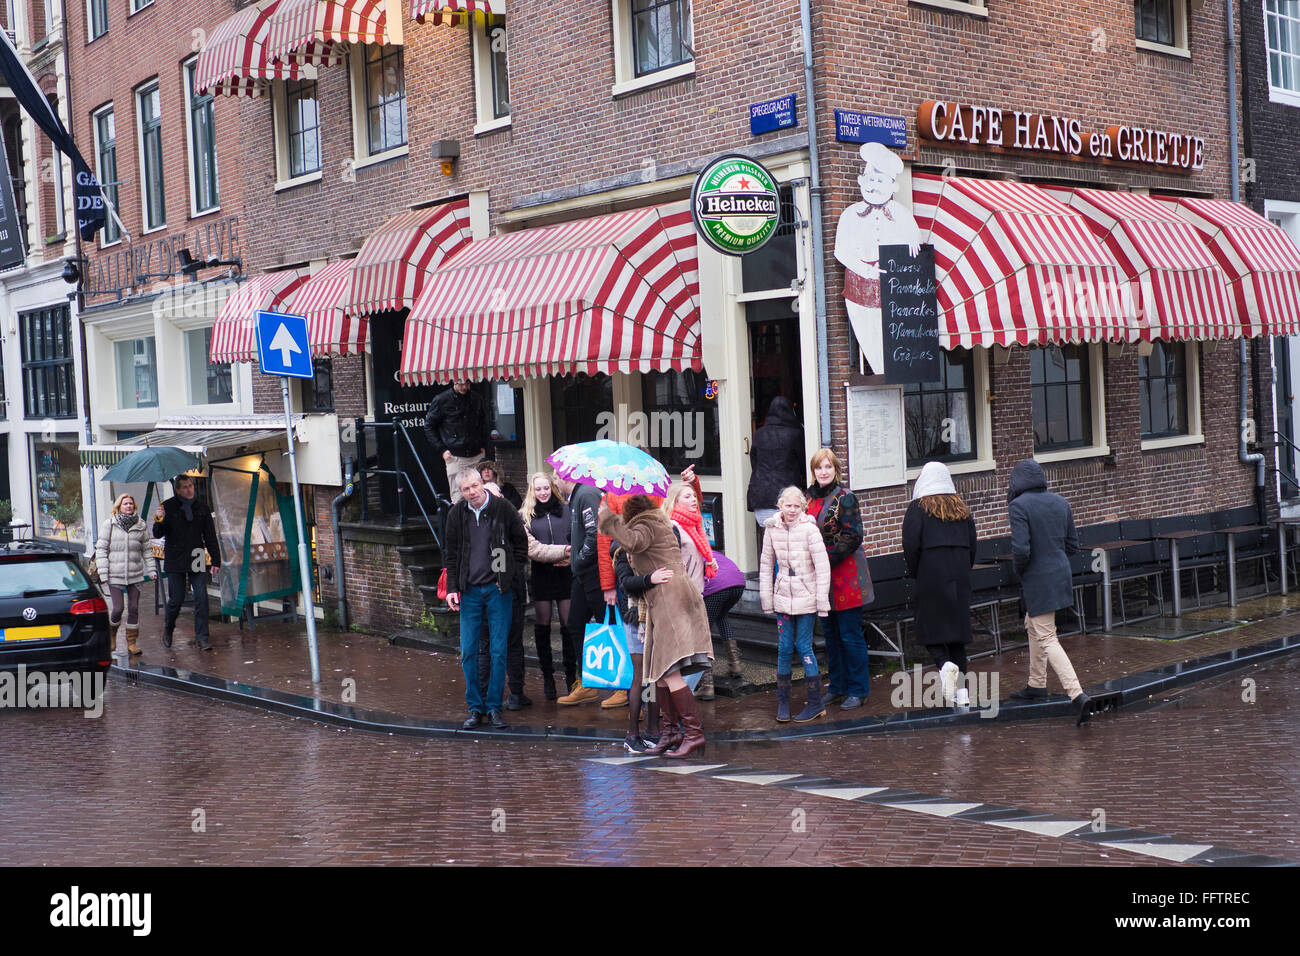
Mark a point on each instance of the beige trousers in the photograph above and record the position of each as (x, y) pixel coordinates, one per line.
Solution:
(454, 467)
(1045, 649)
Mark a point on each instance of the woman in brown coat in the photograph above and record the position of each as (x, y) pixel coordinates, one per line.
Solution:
(677, 639)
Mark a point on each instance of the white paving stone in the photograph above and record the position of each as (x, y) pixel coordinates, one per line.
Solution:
(1052, 828)
(1174, 852)
(843, 793)
(762, 779)
(936, 809)
(688, 767)
(617, 761)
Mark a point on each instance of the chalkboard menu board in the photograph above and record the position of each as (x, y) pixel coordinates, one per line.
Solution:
(909, 315)
(12, 253)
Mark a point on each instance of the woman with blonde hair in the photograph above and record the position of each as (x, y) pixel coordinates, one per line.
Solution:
(546, 520)
(836, 511)
(939, 541)
(682, 506)
(120, 563)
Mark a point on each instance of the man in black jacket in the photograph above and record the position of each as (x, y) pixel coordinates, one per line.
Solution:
(457, 429)
(486, 549)
(187, 526)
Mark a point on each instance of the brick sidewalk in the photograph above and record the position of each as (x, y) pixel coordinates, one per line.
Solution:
(429, 685)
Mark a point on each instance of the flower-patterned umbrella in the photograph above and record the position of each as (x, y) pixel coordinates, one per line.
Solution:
(611, 466)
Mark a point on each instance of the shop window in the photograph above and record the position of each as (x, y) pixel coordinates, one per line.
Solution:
(653, 42)
(939, 418)
(297, 130)
(577, 404)
(1282, 40)
(491, 75)
(137, 373)
(203, 144)
(106, 163)
(56, 489)
(97, 18)
(379, 95)
(49, 381)
(679, 420)
(1168, 387)
(776, 264)
(505, 405)
(210, 382)
(1061, 384)
(151, 157)
(318, 391)
(1161, 24)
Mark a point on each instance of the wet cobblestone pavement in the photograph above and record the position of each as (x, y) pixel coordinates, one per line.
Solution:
(124, 788)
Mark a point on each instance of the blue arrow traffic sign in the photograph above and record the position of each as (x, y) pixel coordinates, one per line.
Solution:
(282, 347)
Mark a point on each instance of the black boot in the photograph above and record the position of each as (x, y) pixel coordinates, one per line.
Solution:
(814, 707)
(1082, 709)
(545, 658)
(782, 698)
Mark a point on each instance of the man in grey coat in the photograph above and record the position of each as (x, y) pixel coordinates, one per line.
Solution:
(1042, 539)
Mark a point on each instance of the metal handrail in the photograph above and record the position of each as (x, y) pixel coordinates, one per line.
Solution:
(404, 482)
(1279, 437)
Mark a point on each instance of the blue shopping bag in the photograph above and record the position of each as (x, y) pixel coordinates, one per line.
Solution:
(605, 659)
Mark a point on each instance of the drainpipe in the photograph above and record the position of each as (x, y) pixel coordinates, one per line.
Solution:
(819, 251)
(1244, 456)
(336, 511)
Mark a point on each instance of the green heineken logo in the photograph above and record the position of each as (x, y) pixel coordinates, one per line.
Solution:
(735, 204)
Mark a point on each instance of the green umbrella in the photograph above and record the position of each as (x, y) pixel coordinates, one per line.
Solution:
(152, 464)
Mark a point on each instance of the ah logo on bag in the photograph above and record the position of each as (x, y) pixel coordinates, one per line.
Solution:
(605, 659)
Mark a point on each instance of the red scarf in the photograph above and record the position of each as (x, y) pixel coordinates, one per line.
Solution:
(694, 527)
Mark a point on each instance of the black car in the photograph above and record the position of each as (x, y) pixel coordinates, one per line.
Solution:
(52, 616)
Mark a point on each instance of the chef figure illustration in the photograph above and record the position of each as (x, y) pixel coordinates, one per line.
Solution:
(879, 220)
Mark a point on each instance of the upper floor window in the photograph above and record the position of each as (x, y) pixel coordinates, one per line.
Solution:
(49, 381)
(97, 17)
(151, 157)
(302, 127)
(210, 382)
(1061, 386)
(1161, 24)
(106, 168)
(661, 34)
(1282, 38)
(491, 76)
(203, 144)
(138, 5)
(385, 99)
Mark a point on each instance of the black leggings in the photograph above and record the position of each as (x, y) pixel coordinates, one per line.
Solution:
(718, 605)
(943, 653)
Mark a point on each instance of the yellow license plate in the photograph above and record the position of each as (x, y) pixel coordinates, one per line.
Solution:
(30, 633)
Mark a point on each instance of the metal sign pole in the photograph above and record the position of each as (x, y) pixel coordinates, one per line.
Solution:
(304, 567)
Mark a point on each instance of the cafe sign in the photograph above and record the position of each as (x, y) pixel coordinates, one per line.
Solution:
(959, 124)
(735, 204)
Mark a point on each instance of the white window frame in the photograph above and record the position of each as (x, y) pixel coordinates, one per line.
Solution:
(91, 35)
(99, 172)
(483, 92)
(361, 154)
(983, 437)
(1279, 94)
(280, 122)
(1099, 446)
(625, 79)
(977, 8)
(140, 93)
(1195, 433)
(189, 378)
(1180, 46)
(192, 64)
(138, 5)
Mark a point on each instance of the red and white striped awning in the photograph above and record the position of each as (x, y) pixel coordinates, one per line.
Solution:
(1179, 292)
(616, 293)
(393, 264)
(1015, 266)
(317, 31)
(330, 330)
(1261, 262)
(234, 338)
(235, 61)
(454, 12)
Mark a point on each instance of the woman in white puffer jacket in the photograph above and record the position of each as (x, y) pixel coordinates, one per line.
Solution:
(120, 561)
(793, 543)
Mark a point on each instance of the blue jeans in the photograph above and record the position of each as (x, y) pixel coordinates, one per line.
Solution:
(795, 632)
(477, 603)
(846, 653)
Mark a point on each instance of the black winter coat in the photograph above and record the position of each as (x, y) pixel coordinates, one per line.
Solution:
(584, 505)
(776, 456)
(185, 538)
(507, 531)
(939, 556)
(1042, 539)
(631, 586)
(459, 424)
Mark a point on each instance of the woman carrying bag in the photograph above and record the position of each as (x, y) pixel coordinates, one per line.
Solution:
(546, 521)
(939, 544)
(120, 564)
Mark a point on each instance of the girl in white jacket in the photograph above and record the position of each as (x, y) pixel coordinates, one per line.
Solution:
(801, 592)
(120, 561)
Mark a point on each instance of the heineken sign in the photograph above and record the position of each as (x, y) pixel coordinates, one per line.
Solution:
(735, 204)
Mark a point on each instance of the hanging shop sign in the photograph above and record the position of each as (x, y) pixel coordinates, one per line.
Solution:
(854, 127)
(735, 204)
(12, 251)
(958, 124)
(772, 115)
